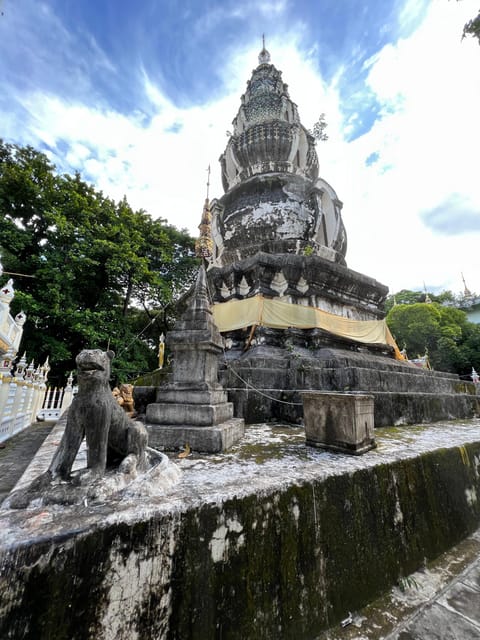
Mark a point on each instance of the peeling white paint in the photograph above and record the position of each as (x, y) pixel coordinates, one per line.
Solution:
(471, 496)
(296, 513)
(129, 582)
(225, 538)
(234, 525)
(219, 544)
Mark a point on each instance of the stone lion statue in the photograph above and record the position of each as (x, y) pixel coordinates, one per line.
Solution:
(94, 413)
(112, 437)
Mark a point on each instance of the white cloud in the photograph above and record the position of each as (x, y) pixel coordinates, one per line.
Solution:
(426, 140)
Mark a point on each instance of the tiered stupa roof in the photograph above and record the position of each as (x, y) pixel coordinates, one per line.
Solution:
(274, 201)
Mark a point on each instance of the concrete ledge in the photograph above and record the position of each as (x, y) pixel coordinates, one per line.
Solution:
(391, 408)
(274, 540)
(412, 408)
(195, 396)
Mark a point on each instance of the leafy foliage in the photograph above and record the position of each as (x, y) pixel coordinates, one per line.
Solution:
(103, 271)
(318, 130)
(452, 342)
(405, 296)
(472, 28)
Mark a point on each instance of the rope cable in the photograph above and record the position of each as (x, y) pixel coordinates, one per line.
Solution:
(136, 337)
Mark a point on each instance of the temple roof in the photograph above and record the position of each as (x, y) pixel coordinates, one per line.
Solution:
(274, 200)
(267, 133)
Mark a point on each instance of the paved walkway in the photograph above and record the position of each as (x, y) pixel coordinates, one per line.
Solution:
(439, 602)
(453, 614)
(17, 453)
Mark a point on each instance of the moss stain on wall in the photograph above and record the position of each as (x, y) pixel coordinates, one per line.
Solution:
(283, 563)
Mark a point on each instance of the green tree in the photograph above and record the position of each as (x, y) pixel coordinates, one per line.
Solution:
(472, 28)
(415, 326)
(104, 273)
(444, 332)
(405, 296)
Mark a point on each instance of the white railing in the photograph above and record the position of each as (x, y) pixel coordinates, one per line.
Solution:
(18, 401)
(56, 401)
(11, 329)
(25, 397)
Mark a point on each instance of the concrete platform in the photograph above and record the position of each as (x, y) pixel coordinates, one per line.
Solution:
(272, 540)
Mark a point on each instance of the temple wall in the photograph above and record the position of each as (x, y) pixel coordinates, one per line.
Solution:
(403, 393)
(284, 562)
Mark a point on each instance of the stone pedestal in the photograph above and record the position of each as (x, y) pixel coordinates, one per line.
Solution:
(339, 421)
(212, 439)
(193, 407)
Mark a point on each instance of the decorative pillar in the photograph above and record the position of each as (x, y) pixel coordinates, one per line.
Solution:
(6, 391)
(67, 393)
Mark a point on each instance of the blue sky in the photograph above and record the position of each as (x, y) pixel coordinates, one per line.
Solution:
(138, 97)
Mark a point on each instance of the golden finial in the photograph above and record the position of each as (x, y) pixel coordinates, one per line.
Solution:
(204, 243)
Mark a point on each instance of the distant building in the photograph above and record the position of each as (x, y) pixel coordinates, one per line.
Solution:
(471, 306)
(11, 329)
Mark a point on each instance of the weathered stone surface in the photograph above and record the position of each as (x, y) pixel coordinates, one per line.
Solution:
(195, 395)
(327, 285)
(278, 232)
(339, 421)
(211, 439)
(143, 396)
(264, 534)
(403, 393)
(274, 200)
(201, 415)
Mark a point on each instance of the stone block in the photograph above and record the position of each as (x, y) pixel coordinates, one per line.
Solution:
(339, 421)
(213, 439)
(199, 415)
(193, 396)
(143, 396)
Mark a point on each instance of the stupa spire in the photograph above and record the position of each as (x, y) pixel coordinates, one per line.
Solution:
(204, 244)
(264, 55)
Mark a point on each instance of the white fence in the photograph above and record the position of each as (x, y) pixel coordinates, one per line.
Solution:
(25, 397)
(56, 401)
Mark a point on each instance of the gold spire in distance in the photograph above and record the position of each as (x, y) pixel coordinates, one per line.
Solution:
(466, 291)
(204, 243)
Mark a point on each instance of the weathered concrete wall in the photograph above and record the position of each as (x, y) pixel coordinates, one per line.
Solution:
(284, 562)
(403, 393)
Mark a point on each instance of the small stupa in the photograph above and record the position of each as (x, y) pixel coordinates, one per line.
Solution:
(193, 408)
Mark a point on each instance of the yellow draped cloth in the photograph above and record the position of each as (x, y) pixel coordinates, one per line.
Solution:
(268, 312)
